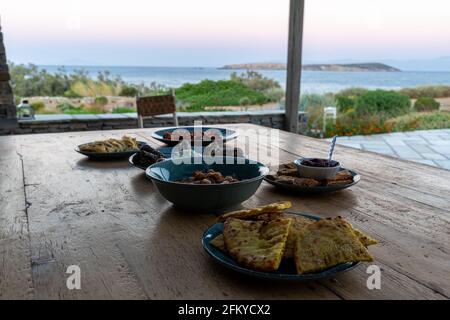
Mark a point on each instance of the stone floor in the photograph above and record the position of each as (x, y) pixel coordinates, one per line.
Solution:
(430, 147)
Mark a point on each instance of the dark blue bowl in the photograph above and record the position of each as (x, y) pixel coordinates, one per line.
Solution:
(212, 198)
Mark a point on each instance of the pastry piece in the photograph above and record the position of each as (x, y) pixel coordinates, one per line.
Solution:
(288, 172)
(306, 183)
(328, 243)
(285, 179)
(338, 182)
(258, 245)
(343, 177)
(250, 213)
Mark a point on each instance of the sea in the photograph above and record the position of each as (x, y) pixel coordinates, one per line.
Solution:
(312, 81)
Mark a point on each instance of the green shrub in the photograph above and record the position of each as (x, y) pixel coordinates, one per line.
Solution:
(222, 93)
(426, 104)
(124, 110)
(38, 106)
(129, 91)
(101, 101)
(344, 103)
(68, 108)
(274, 94)
(422, 121)
(381, 102)
(65, 107)
(70, 94)
(245, 101)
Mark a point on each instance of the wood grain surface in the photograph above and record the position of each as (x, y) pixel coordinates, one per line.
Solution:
(57, 209)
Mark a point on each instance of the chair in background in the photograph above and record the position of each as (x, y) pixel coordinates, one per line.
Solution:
(156, 105)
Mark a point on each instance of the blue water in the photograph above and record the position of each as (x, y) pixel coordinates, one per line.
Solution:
(312, 82)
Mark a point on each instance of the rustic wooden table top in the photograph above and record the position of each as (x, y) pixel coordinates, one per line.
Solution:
(58, 209)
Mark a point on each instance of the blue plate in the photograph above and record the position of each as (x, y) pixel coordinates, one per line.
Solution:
(287, 269)
(320, 189)
(226, 134)
(111, 155)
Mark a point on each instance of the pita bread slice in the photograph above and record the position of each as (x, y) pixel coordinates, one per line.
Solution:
(258, 245)
(328, 243)
(219, 243)
(298, 223)
(250, 213)
(366, 240)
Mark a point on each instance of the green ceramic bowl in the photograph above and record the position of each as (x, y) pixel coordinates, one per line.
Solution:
(212, 198)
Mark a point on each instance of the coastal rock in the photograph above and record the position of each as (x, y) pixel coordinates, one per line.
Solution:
(354, 67)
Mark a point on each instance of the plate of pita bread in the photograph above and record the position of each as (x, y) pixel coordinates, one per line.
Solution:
(270, 243)
(286, 177)
(111, 148)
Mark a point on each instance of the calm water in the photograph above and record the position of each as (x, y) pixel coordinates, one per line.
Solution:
(314, 82)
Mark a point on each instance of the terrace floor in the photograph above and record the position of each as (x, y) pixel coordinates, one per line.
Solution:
(430, 147)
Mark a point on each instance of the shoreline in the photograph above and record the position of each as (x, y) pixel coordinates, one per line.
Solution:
(312, 81)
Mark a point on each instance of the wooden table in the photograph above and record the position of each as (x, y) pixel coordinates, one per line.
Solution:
(59, 209)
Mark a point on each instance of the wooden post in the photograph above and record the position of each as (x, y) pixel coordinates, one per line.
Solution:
(294, 65)
(8, 117)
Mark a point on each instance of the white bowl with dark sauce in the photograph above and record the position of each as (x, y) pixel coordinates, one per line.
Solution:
(317, 169)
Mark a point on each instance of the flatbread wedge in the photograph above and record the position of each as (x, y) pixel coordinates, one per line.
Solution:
(328, 243)
(250, 213)
(298, 223)
(258, 245)
(366, 240)
(219, 243)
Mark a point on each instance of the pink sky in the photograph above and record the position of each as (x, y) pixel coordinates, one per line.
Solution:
(213, 33)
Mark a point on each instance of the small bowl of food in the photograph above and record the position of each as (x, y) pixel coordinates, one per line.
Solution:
(207, 184)
(317, 169)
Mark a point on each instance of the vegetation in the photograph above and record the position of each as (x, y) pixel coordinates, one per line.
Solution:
(360, 111)
(388, 103)
(101, 101)
(123, 110)
(255, 81)
(350, 126)
(38, 106)
(217, 93)
(128, 91)
(30, 81)
(68, 108)
(426, 104)
(427, 91)
(353, 92)
(245, 101)
(421, 121)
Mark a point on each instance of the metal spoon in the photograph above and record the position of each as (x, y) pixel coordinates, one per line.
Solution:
(333, 144)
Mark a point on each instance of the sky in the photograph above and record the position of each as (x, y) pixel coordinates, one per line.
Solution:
(215, 33)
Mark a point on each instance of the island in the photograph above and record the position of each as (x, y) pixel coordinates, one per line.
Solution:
(351, 67)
